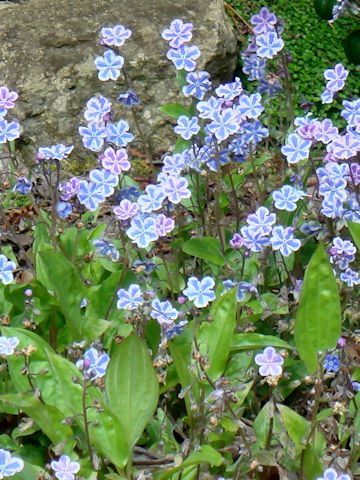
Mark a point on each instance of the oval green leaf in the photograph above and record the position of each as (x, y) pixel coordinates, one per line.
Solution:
(206, 248)
(318, 319)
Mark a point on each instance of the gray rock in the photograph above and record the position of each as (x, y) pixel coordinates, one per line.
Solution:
(48, 50)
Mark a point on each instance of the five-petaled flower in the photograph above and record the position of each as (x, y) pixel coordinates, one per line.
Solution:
(109, 65)
(64, 468)
(270, 362)
(200, 291)
(131, 298)
(8, 345)
(283, 240)
(178, 33)
(10, 465)
(7, 268)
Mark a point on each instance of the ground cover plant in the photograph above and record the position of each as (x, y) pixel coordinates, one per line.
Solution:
(203, 324)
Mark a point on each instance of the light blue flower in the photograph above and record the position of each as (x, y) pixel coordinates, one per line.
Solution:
(351, 112)
(9, 130)
(109, 65)
(283, 239)
(331, 474)
(163, 312)
(208, 108)
(331, 363)
(250, 106)
(336, 77)
(164, 225)
(223, 124)
(333, 189)
(118, 133)
(96, 109)
(105, 180)
(268, 44)
(131, 298)
(345, 146)
(22, 186)
(261, 221)
(350, 277)
(173, 164)
(90, 195)
(114, 36)
(254, 132)
(187, 127)
(296, 148)
(55, 152)
(178, 33)
(270, 362)
(8, 345)
(176, 189)
(93, 136)
(184, 57)
(200, 291)
(93, 364)
(198, 84)
(9, 465)
(286, 198)
(153, 199)
(143, 231)
(229, 91)
(253, 240)
(7, 268)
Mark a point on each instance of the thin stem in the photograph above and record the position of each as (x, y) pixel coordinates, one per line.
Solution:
(86, 424)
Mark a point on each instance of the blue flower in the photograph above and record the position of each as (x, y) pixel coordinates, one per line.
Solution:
(254, 67)
(250, 106)
(283, 239)
(331, 474)
(63, 209)
(105, 180)
(118, 133)
(350, 277)
(351, 112)
(200, 291)
(253, 240)
(116, 161)
(129, 99)
(325, 131)
(184, 57)
(152, 200)
(55, 152)
(263, 21)
(268, 44)
(93, 364)
(345, 146)
(336, 78)
(163, 312)
(22, 186)
(7, 268)
(254, 132)
(187, 127)
(176, 189)
(131, 298)
(333, 189)
(175, 330)
(286, 198)
(198, 84)
(178, 33)
(64, 468)
(296, 148)
(143, 231)
(106, 249)
(173, 164)
(231, 90)
(9, 465)
(223, 124)
(261, 221)
(97, 108)
(90, 195)
(109, 65)
(243, 288)
(93, 136)
(8, 131)
(270, 362)
(209, 107)
(114, 36)
(332, 363)
(327, 96)
(8, 345)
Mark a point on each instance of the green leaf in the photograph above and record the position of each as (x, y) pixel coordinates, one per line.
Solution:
(206, 454)
(207, 248)
(313, 467)
(215, 336)
(174, 110)
(296, 426)
(47, 417)
(355, 232)
(60, 276)
(318, 319)
(262, 424)
(253, 341)
(131, 387)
